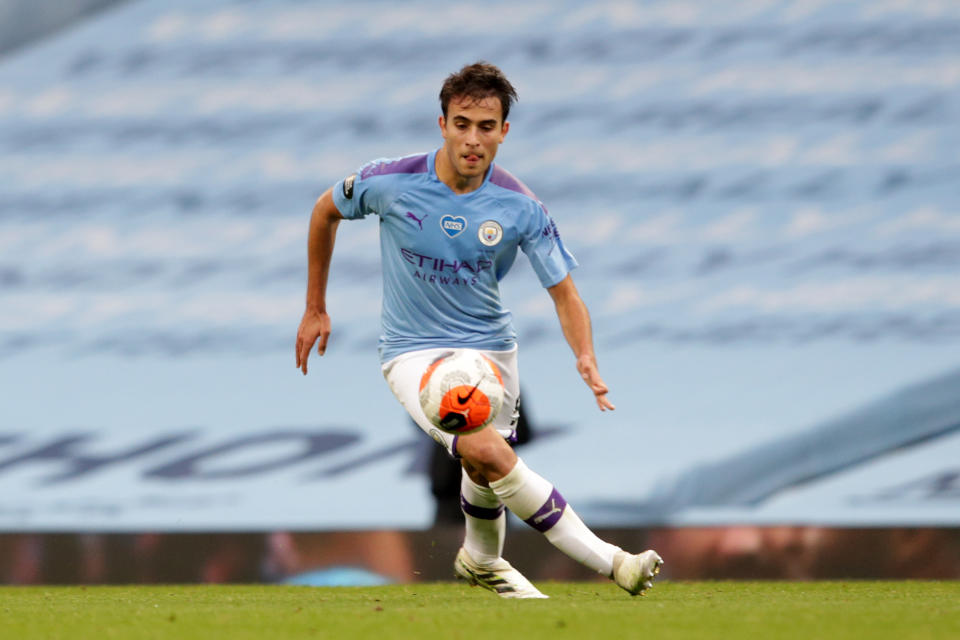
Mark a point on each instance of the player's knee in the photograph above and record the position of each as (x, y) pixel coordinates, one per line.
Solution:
(488, 458)
(474, 474)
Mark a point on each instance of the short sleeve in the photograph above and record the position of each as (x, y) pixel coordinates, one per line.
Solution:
(544, 248)
(358, 195)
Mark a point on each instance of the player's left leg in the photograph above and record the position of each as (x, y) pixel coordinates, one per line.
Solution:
(490, 461)
(538, 503)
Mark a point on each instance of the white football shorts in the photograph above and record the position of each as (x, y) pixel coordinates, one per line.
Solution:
(403, 374)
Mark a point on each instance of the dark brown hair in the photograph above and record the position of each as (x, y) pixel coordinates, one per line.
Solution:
(478, 81)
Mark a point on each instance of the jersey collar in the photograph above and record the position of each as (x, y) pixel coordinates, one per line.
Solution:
(432, 171)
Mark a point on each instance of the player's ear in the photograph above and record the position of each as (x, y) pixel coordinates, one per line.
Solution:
(442, 121)
(503, 131)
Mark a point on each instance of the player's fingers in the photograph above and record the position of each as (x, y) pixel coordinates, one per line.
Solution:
(304, 354)
(597, 385)
(604, 403)
(600, 390)
(322, 344)
(299, 346)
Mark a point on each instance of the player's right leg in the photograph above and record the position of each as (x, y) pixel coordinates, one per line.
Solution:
(499, 577)
(486, 521)
(479, 561)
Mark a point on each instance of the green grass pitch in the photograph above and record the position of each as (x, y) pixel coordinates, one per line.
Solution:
(807, 610)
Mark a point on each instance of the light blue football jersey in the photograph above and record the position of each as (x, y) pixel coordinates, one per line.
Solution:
(443, 254)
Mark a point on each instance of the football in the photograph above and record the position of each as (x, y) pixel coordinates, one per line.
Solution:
(461, 391)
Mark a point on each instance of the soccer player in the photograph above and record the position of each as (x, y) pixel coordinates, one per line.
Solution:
(451, 222)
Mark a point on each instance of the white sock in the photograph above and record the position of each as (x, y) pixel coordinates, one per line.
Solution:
(539, 504)
(486, 521)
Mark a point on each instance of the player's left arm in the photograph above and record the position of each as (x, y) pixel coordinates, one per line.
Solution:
(575, 322)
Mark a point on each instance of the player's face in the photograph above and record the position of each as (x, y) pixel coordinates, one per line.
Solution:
(472, 132)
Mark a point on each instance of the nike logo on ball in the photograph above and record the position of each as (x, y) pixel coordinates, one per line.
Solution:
(461, 399)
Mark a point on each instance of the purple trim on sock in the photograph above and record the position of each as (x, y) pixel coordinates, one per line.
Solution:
(548, 515)
(410, 164)
(453, 448)
(503, 178)
(484, 513)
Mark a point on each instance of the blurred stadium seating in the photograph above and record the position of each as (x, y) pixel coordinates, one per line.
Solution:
(762, 196)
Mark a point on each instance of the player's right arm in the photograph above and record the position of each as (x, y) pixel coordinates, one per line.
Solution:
(316, 322)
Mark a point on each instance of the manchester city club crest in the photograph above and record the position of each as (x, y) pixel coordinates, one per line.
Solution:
(490, 233)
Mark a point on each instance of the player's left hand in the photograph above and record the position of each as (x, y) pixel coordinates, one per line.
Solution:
(587, 366)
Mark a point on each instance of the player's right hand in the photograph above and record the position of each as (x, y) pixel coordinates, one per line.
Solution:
(314, 325)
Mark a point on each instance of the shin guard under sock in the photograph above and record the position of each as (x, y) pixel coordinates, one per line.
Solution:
(485, 520)
(533, 499)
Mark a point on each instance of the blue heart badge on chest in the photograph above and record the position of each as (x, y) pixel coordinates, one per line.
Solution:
(453, 225)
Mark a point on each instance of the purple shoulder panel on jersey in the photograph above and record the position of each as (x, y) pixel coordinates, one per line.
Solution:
(503, 178)
(410, 164)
